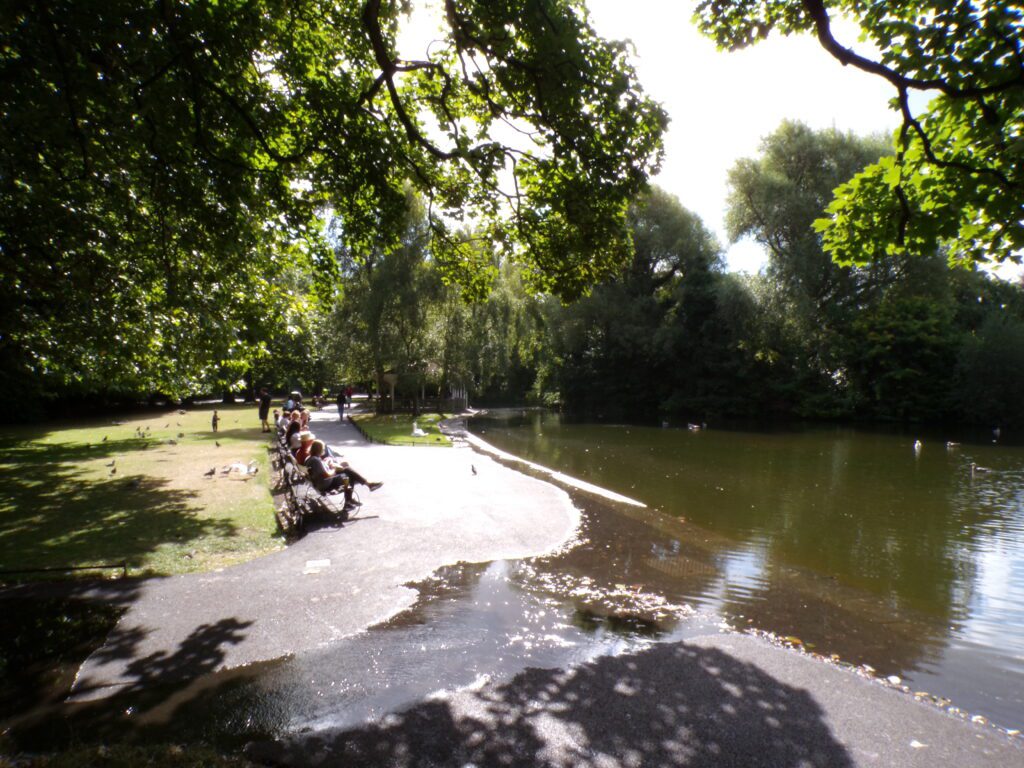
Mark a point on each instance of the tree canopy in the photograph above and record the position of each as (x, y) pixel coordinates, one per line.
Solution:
(956, 180)
(163, 164)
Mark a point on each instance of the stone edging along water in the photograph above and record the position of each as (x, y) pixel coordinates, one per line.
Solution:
(561, 477)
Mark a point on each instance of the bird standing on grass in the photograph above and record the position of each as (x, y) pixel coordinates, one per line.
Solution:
(210, 472)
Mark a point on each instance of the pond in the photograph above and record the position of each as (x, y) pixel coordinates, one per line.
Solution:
(856, 542)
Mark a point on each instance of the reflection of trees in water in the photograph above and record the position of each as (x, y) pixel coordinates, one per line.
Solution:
(861, 545)
(632, 570)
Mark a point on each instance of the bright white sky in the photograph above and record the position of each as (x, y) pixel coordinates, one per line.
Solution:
(721, 104)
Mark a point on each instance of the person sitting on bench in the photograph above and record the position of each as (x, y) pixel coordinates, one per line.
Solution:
(329, 477)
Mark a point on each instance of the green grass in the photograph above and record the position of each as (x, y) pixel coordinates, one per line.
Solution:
(92, 492)
(396, 429)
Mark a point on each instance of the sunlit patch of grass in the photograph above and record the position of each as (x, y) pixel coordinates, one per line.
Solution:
(136, 491)
(397, 428)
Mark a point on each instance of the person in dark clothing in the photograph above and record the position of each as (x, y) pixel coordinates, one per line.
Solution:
(341, 403)
(264, 410)
(328, 477)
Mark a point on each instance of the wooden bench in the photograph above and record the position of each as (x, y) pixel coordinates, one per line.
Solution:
(304, 501)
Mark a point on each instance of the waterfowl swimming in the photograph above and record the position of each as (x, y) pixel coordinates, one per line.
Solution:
(975, 469)
(918, 445)
(950, 445)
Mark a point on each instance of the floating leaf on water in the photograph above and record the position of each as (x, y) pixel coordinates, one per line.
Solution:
(793, 640)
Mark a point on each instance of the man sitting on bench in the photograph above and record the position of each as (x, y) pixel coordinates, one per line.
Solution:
(329, 477)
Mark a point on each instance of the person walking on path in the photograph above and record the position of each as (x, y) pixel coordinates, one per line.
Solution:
(341, 403)
(214, 421)
(264, 410)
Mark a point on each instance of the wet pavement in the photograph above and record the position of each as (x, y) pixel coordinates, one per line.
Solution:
(336, 581)
(507, 622)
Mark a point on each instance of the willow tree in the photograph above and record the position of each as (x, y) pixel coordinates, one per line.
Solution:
(956, 180)
(161, 163)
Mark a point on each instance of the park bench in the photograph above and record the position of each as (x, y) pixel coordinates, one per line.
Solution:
(303, 502)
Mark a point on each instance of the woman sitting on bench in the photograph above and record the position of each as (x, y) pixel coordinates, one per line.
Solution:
(328, 477)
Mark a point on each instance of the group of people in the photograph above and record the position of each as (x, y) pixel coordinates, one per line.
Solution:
(327, 472)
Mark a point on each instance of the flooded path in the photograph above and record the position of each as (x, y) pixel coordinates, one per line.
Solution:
(632, 580)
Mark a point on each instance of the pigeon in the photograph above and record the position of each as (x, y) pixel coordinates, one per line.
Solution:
(217, 443)
(167, 425)
(113, 471)
(181, 434)
(182, 411)
(112, 462)
(104, 438)
(210, 472)
(473, 468)
(134, 483)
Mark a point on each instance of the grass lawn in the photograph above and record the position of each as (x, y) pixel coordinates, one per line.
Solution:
(396, 429)
(135, 490)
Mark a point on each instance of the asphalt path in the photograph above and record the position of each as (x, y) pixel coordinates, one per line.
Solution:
(717, 700)
(335, 581)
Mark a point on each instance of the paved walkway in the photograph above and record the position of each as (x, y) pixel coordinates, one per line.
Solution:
(720, 701)
(715, 701)
(334, 582)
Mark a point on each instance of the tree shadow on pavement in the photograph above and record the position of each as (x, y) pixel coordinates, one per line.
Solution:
(670, 705)
(156, 678)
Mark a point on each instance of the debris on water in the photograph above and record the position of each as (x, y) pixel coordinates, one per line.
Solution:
(894, 679)
(917, 744)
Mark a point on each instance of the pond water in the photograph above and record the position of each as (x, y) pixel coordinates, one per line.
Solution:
(853, 541)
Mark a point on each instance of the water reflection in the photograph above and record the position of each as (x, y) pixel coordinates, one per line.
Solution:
(853, 541)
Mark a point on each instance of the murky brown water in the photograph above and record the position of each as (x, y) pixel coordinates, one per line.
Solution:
(852, 541)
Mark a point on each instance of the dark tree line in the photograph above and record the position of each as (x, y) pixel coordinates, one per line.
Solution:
(672, 336)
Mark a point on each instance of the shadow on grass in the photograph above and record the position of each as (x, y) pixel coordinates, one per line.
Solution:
(54, 517)
(669, 705)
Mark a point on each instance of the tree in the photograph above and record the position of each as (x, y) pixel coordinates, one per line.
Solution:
(635, 346)
(774, 199)
(162, 163)
(956, 181)
(386, 310)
